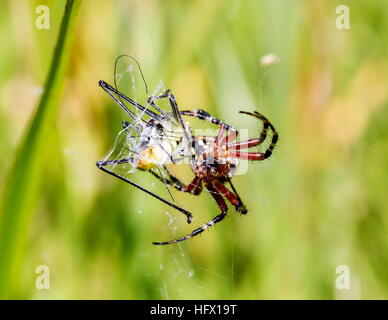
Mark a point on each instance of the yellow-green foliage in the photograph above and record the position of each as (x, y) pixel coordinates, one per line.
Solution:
(317, 203)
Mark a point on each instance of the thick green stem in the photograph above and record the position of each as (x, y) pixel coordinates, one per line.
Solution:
(20, 193)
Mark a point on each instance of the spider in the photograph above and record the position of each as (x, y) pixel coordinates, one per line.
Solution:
(158, 142)
(214, 162)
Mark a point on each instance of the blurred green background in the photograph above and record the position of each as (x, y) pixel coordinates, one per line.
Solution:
(318, 203)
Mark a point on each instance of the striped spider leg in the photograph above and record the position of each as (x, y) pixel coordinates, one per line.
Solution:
(256, 156)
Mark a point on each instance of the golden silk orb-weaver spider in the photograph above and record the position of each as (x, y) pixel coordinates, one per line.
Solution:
(154, 138)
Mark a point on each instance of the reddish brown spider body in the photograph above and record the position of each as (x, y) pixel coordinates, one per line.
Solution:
(214, 162)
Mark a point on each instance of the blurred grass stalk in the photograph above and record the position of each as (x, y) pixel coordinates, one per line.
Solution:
(21, 188)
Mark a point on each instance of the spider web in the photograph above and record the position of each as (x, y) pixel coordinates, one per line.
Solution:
(187, 269)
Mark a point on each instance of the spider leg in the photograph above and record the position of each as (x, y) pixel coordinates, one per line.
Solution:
(203, 115)
(251, 156)
(234, 190)
(251, 142)
(194, 187)
(221, 204)
(101, 165)
(233, 197)
(222, 139)
(255, 142)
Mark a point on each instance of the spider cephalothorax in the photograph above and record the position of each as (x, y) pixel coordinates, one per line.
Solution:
(212, 160)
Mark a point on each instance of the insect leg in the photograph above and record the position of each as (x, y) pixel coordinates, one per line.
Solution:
(101, 165)
(113, 93)
(151, 100)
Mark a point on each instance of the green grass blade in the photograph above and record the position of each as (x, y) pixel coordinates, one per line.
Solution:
(20, 189)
